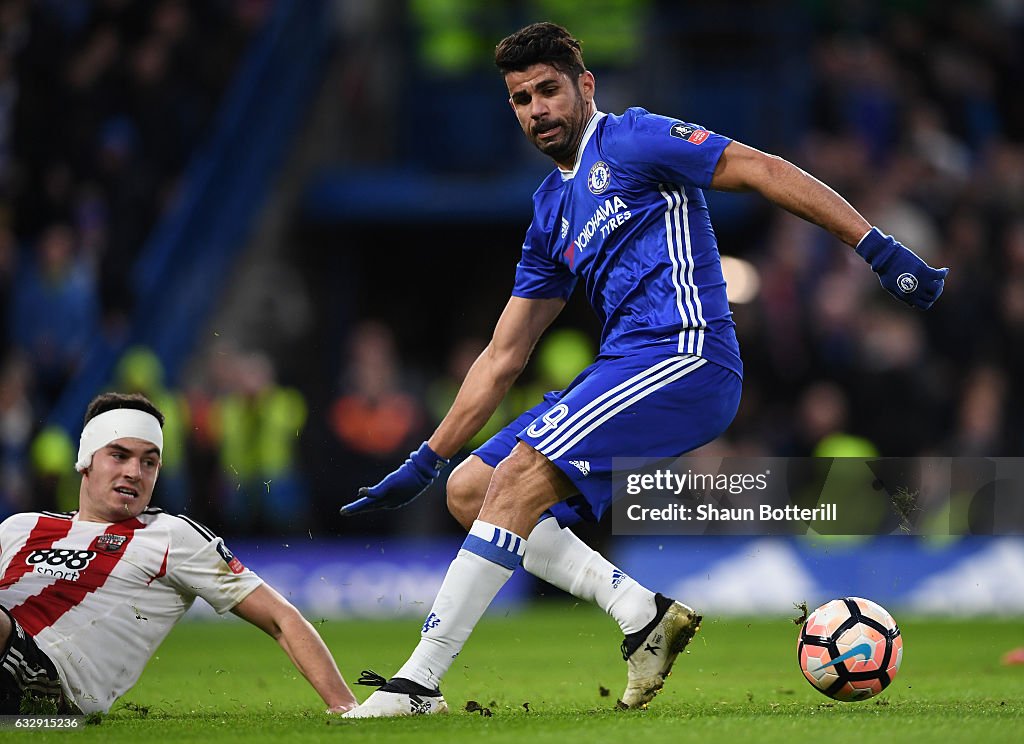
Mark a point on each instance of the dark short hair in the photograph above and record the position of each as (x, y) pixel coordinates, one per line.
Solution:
(540, 43)
(112, 401)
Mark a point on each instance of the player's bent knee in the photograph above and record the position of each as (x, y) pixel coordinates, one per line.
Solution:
(467, 486)
(460, 501)
(6, 628)
(529, 480)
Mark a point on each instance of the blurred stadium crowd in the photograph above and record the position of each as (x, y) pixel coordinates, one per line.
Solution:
(912, 110)
(101, 104)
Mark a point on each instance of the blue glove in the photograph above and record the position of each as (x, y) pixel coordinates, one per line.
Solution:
(402, 486)
(905, 276)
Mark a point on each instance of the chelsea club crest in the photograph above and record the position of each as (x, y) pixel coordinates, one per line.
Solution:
(599, 178)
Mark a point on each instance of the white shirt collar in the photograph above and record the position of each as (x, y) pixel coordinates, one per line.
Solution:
(587, 134)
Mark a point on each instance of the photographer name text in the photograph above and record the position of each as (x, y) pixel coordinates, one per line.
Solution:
(712, 513)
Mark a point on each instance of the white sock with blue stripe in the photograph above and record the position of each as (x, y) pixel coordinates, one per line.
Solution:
(563, 560)
(487, 559)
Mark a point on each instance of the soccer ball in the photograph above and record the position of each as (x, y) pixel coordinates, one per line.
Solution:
(850, 649)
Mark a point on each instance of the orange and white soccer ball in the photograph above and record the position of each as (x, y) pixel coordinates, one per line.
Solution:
(850, 649)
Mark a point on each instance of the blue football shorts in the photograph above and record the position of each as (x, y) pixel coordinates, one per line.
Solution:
(655, 403)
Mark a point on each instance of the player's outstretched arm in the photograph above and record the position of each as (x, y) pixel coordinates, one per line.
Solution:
(499, 365)
(903, 274)
(272, 613)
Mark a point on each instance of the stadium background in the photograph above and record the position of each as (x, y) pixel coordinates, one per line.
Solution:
(293, 224)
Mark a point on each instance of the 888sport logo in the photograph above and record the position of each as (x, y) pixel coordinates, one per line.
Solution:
(60, 562)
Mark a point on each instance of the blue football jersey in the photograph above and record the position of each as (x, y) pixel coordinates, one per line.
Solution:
(631, 222)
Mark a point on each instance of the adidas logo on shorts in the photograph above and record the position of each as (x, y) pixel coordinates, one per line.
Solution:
(582, 465)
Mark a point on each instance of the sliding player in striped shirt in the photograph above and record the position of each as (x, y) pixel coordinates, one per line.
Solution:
(624, 214)
(87, 596)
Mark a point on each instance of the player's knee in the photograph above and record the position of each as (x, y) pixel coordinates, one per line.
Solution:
(6, 628)
(461, 501)
(467, 486)
(529, 480)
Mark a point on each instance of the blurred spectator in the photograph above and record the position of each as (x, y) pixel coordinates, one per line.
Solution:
(140, 371)
(844, 445)
(612, 30)
(559, 357)
(375, 419)
(90, 91)
(54, 312)
(895, 400)
(91, 215)
(210, 379)
(822, 425)
(369, 78)
(55, 483)
(453, 35)
(441, 392)
(979, 425)
(258, 425)
(858, 93)
(373, 415)
(16, 425)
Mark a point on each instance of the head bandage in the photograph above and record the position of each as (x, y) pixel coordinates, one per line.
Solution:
(120, 423)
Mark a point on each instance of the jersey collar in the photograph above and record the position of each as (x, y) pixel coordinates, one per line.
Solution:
(587, 134)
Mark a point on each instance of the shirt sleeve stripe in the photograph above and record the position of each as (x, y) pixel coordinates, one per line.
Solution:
(201, 529)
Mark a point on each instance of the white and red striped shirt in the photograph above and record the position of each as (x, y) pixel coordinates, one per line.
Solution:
(100, 597)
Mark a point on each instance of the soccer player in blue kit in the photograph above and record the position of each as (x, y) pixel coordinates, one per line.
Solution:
(624, 213)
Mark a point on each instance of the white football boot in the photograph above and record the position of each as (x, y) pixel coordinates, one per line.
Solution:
(397, 697)
(649, 653)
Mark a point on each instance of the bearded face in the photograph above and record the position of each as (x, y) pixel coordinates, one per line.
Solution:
(553, 109)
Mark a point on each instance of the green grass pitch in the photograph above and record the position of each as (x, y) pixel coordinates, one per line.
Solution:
(552, 674)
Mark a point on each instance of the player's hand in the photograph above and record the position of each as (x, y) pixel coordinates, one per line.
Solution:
(903, 274)
(402, 486)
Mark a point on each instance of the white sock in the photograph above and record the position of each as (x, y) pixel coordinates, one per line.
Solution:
(483, 565)
(563, 560)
